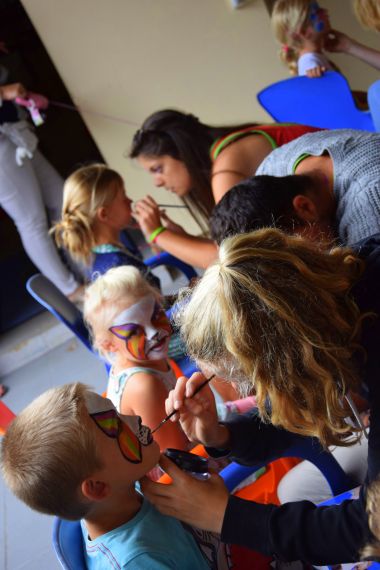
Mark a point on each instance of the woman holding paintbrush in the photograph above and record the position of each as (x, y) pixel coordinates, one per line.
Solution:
(298, 325)
(199, 163)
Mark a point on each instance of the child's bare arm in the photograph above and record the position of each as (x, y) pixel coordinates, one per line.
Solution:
(145, 396)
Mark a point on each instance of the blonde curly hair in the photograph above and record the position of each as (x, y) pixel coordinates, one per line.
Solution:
(368, 13)
(85, 191)
(274, 314)
(289, 17)
(372, 550)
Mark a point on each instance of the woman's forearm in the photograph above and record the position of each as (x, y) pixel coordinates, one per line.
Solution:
(197, 251)
(364, 53)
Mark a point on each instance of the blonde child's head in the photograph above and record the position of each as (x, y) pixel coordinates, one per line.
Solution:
(274, 315)
(49, 449)
(290, 19)
(110, 294)
(85, 192)
(368, 13)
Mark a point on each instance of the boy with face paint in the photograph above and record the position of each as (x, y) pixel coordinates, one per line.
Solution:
(131, 329)
(80, 459)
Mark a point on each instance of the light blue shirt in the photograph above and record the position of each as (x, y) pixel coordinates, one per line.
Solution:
(149, 541)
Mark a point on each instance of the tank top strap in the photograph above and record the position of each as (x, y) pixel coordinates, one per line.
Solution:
(267, 131)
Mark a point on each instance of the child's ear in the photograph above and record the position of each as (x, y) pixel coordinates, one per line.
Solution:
(297, 36)
(94, 490)
(102, 214)
(305, 208)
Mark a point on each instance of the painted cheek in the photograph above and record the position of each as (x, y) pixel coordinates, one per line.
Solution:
(136, 346)
(130, 445)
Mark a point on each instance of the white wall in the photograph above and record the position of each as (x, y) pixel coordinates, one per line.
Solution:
(128, 58)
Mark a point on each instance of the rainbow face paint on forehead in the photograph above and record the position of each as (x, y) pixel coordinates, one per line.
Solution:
(128, 430)
(145, 328)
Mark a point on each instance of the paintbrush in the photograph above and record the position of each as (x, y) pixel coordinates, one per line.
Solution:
(175, 411)
(170, 206)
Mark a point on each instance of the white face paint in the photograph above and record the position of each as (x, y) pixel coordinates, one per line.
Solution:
(145, 329)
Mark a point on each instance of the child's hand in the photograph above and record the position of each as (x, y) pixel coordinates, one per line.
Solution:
(337, 42)
(197, 415)
(199, 503)
(317, 71)
(147, 214)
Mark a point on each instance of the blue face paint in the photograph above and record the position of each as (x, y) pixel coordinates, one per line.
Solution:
(316, 17)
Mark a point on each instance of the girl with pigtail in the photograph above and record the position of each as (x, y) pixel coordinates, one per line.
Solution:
(95, 210)
(301, 26)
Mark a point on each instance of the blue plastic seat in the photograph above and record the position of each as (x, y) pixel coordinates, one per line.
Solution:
(165, 258)
(305, 448)
(68, 544)
(325, 102)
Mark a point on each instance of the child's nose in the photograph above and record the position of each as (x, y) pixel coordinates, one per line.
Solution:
(151, 332)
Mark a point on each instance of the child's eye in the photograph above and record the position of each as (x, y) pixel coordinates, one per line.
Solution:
(126, 331)
(157, 312)
(156, 169)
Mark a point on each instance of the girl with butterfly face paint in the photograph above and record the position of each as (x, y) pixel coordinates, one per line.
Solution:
(131, 329)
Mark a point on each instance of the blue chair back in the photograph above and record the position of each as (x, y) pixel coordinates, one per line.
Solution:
(50, 297)
(325, 102)
(305, 448)
(68, 544)
(165, 258)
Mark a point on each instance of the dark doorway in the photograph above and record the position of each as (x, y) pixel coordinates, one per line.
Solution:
(63, 138)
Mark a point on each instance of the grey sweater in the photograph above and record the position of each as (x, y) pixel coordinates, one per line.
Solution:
(356, 160)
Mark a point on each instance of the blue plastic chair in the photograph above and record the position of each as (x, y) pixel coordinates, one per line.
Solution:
(169, 260)
(325, 102)
(50, 297)
(305, 448)
(68, 544)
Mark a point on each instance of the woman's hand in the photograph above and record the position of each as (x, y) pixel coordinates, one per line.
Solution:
(170, 225)
(12, 90)
(337, 42)
(199, 503)
(197, 415)
(147, 214)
